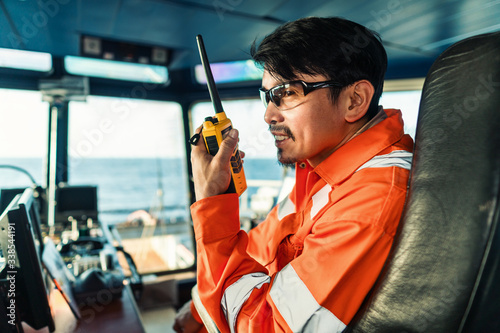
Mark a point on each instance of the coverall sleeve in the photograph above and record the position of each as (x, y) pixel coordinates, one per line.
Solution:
(259, 239)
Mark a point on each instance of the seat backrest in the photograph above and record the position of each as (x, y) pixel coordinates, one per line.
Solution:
(443, 273)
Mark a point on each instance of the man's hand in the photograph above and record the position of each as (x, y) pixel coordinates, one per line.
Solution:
(212, 174)
(185, 322)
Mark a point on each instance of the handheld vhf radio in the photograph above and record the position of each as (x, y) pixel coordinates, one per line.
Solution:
(216, 128)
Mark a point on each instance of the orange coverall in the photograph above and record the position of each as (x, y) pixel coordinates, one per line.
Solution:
(311, 263)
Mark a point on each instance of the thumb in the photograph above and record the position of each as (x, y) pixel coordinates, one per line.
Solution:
(228, 145)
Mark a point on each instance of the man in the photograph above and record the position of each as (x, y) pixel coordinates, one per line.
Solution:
(310, 264)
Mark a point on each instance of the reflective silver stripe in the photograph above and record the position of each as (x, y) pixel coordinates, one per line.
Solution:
(320, 200)
(286, 206)
(398, 158)
(205, 317)
(237, 294)
(298, 307)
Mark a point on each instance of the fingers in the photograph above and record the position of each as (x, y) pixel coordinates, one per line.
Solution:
(227, 146)
(212, 174)
(185, 322)
(182, 317)
(199, 146)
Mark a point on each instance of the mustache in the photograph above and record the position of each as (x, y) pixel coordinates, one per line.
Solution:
(282, 128)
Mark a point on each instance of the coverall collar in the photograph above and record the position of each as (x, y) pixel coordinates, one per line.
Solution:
(343, 162)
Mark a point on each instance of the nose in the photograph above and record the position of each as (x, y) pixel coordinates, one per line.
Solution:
(273, 115)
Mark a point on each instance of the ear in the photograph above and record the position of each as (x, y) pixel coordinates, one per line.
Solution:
(360, 93)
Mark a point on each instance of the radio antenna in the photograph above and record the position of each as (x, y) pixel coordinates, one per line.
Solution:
(212, 89)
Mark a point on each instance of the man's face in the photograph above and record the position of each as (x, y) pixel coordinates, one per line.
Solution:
(312, 130)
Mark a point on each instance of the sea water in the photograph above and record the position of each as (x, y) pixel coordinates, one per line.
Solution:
(129, 184)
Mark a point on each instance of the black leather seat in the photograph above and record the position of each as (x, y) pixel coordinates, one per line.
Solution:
(443, 273)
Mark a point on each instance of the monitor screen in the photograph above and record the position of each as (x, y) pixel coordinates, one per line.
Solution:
(22, 276)
(7, 195)
(80, 202)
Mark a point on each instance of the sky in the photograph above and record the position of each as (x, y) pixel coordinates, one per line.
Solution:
(23, 124)
(119, 127)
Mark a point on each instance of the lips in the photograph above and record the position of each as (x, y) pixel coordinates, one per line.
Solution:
(281, 133)
(280, 137)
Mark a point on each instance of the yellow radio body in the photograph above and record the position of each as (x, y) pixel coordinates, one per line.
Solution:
(214, 131)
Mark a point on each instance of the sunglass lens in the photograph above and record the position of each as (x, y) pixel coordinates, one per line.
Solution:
(264, 98)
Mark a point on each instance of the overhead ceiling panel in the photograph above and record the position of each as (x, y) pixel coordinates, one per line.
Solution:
(412, 31)
(39, 26)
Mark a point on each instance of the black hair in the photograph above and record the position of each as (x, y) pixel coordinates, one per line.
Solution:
(339, 49)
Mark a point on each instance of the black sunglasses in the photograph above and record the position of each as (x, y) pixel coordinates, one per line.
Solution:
(290, 94)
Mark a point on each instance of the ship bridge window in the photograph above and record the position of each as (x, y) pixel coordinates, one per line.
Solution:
(404, 95)
(265, 177)
(134, 151)
(23, 137)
